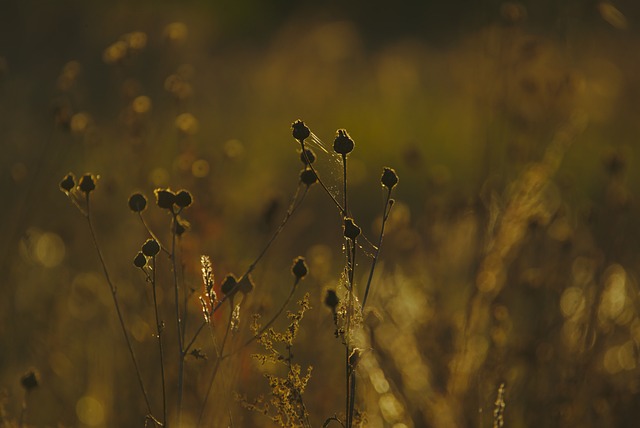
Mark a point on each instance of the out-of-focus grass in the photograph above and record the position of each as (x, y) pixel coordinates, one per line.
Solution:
(460, 120)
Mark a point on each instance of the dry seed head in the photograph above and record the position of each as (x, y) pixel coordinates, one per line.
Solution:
(181, 226)
(140, 260)
(308, 176)
(299, 268)
(68, 183)
(331, 299)
(389, 178)
(87, 183)
(309, 158)
(351, 230)
(228, 284)
(165, 198)
(246, 285)
(183, 199)
(151, 248)
(343, 144)
(300, 130)
(29, 380)
(137, 202)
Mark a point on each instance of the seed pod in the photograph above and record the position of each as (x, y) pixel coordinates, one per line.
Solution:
(181, 226)
(300, 130)
(183, 199)
(299, 268)
(228, 284)
(87, 183)
(309, 158)
(389, 178)
(151, 248)
(29, 380)
(137, 202)
(351, 230)
(331, 299)
(343, 144)
(165, 198)
(68, 183)
(246, 285)
(308, 177)
(140, 260)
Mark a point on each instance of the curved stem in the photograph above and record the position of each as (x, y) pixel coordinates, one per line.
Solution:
(335, 201)
(113, 289)
(159, 329)
(153, 235)
(385, 216)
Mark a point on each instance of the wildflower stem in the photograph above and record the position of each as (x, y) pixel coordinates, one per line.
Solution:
(219, 358)
(335, 201)
(159, 329)
(385, 217)
(113, 289)
(150, 232)
(178, 317)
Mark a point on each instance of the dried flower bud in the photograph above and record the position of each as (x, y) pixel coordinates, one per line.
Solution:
(228, 284)
(140, 260)
(181, 226)
(331, 299)
(299, 268)
(68, 183)
(87, 183)
(389, 178)
(343, 144)
(246, 286)
(151, 248)
(137, 202)
(308, 176)
(183, 199)
(309, 158)
(165, 198)
(300, 130)
(29, 380)
(351, 230)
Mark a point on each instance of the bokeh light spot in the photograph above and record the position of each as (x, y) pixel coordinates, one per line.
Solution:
(90, 411)
(200, 168)
(49, 250)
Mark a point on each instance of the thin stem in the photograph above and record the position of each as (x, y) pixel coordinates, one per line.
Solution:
(293, 206)
(385, 216)
(215, 368)
(178, 317)
(335, 201)
(159, 330)
(344, 181)
(272, 320)
(150, 232)
(113, 289)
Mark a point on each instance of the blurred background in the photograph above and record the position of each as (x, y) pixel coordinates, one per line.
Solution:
(513, 129)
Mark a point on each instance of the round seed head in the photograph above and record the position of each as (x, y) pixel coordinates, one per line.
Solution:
(351, 230)
(299, 268)
(389, 178)
(151, 248)
(165, 198)
(183, 199)
(310, 155)
(300, 130)
(228, 284)
(87, 183)
(29, 380)
(140, 260)
(246, 285)
(68, 183)
(181, 226)
(331, 299)
(308, 177)
(137, 202)
(343, 144)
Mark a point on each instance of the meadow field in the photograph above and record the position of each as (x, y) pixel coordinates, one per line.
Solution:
(349, 214)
